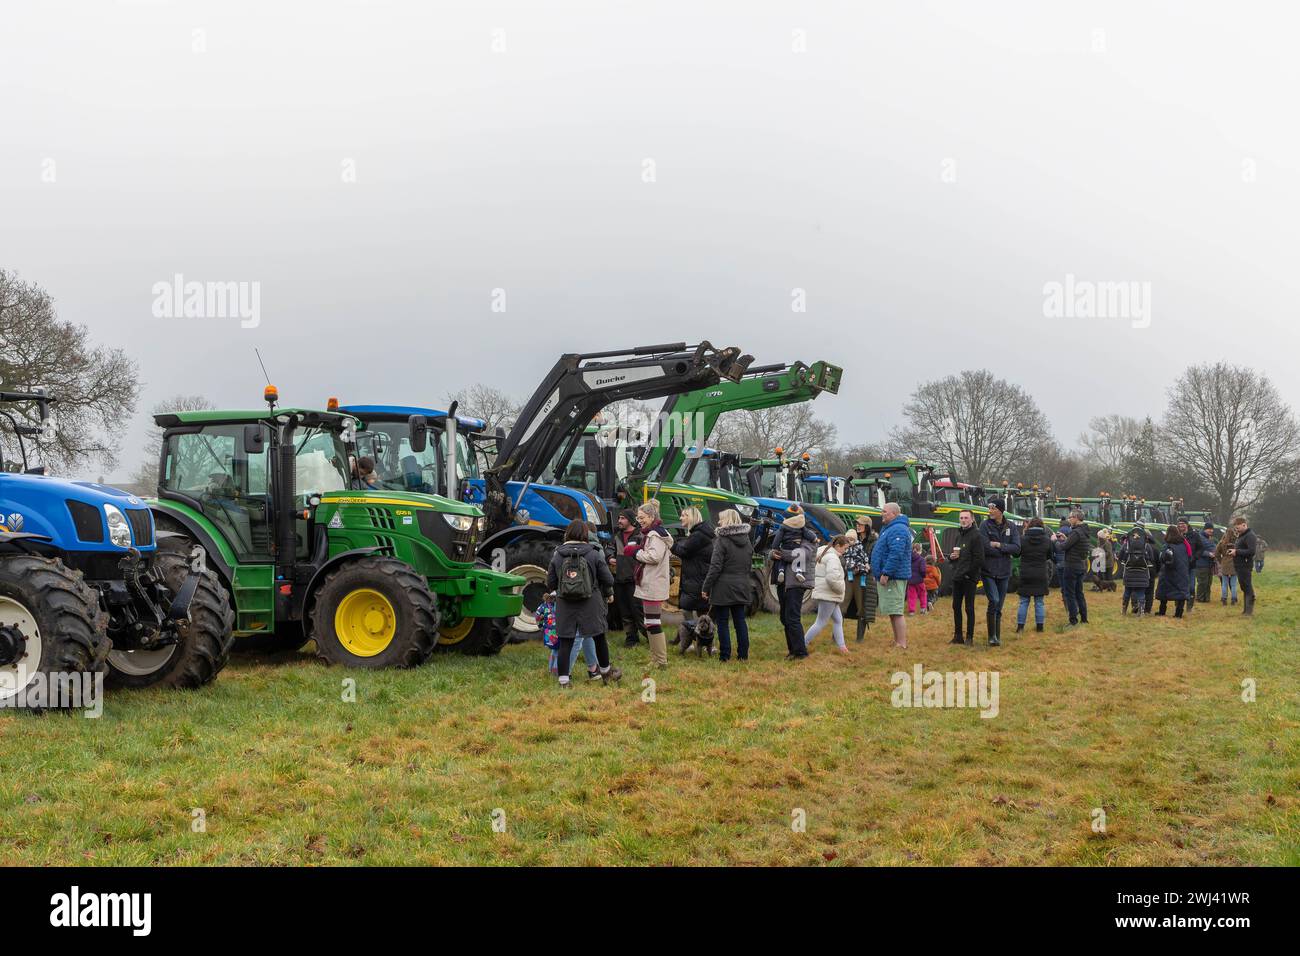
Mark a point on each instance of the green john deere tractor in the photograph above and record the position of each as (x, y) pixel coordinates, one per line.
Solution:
(370, 576)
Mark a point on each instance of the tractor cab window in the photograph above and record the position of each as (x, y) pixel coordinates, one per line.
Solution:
(321, 467)
(863, 494)
(397, 467)
(814, 492)
(210, 468)
(466, 460)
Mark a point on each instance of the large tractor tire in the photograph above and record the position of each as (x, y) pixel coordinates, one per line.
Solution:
(530, 559)
(476, 636)
(764, 601)
(203, 642)
(374, 612)
(50, 623)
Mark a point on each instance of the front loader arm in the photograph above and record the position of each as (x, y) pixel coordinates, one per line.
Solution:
(767, 386)
(579, 386)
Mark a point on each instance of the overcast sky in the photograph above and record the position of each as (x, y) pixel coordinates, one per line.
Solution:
(920, 170)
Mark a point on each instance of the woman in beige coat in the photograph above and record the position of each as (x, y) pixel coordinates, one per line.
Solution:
(652, 575)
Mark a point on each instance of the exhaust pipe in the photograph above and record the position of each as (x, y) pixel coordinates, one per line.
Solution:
(453, 481)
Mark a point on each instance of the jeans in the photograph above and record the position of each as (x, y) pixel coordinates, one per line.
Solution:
(566, 653)
(827, 611)
(1227, 581)
(1076, 605)
(1244, 577)
(791, 618)
(588, 647)
(1203, 585)
(963, 592)
(1139, 598)
(1040, 609)
(995, 589)
(736, 612)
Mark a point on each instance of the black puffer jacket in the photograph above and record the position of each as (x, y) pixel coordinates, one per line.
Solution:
(694, 550)
(997, 561)
(970, 562)
(727, 582)
(1138, 557)
(1035, 561)
(1077, 547)
(586, 618)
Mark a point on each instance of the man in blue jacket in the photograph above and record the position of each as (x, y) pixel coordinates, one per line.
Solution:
(1001, 544)
(891, 565)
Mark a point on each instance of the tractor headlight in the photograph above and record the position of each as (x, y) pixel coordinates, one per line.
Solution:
(590, 512)
(460, 522)
(119, 532)
(746, 511)
(480, 523)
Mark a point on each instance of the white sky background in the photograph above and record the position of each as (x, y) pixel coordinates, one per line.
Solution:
(775, 170)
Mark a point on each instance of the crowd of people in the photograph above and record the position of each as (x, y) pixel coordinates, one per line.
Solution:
(862, 574)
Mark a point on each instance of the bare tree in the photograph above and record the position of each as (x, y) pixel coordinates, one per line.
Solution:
(1229, 424)
(494, 406)
(795, 428)
(96, 387)
(978, 426)
(146, 475)
(1109, 439)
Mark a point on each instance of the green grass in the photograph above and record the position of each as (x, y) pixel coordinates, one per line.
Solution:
(1143, 719)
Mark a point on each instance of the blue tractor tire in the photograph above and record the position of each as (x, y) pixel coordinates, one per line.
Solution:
(203, 642)
(50, 622)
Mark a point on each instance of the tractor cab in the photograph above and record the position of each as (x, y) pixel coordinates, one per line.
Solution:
(822, 489)
(906, 482)
(384, 436)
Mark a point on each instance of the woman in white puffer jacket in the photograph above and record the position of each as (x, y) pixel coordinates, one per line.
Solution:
(828, 592)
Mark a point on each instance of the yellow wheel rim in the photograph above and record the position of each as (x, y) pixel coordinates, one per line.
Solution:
(365, 622)
(456, 632)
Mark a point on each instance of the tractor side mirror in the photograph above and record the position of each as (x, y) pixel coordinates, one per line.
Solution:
(419, 426)
(590, 457)
(254, 440)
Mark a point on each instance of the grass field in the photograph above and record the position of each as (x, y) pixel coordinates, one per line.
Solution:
(1144, 720)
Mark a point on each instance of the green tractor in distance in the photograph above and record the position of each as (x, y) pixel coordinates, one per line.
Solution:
(368, 575)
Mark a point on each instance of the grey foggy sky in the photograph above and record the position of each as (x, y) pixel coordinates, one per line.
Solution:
(775, 170)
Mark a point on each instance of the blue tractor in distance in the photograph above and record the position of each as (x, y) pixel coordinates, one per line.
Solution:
(85, 587)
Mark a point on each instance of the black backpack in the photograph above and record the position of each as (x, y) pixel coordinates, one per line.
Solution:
(1137, 551)
(576, 580)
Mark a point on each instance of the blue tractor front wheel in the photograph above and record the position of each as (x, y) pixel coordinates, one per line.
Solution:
(50, 625)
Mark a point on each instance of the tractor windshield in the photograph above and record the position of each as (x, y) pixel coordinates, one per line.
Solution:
(321, 456)
(399, 468)
(814, 491)
(863, 493)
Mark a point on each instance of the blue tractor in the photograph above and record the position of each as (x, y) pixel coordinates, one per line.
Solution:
(85, 587)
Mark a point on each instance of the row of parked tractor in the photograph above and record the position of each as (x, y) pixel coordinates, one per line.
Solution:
(267, 532)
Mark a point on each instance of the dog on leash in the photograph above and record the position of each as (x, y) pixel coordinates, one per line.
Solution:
(696, 636)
